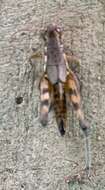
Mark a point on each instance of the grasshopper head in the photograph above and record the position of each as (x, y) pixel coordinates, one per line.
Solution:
(52, 31)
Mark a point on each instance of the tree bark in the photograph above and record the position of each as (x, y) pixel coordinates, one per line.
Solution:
(33, 157)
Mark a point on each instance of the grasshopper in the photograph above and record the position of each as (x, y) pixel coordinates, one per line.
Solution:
(59, 86)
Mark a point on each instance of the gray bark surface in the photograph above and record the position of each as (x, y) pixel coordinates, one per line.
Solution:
(32, 156)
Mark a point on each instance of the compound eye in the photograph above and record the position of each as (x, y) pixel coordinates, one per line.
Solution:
(59, 30)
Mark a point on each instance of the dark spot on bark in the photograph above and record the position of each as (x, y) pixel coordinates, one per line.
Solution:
(19, 100)
(23, 34)
(34, 49)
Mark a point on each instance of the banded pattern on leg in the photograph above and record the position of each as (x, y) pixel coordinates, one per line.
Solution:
(74, 97)
(45, 97)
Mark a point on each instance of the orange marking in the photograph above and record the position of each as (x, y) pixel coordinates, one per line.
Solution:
(45, 96)
(75, 99)
(44, 109)
(71, 84)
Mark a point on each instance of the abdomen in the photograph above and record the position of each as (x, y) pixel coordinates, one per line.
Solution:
(59, 101)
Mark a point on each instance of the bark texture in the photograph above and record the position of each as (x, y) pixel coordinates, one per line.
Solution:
(33, 157)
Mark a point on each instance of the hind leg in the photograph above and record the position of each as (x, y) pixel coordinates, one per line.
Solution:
(74, 97)
(45, 98)
(72, 89)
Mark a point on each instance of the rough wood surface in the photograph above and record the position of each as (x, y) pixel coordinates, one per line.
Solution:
(33, 157)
